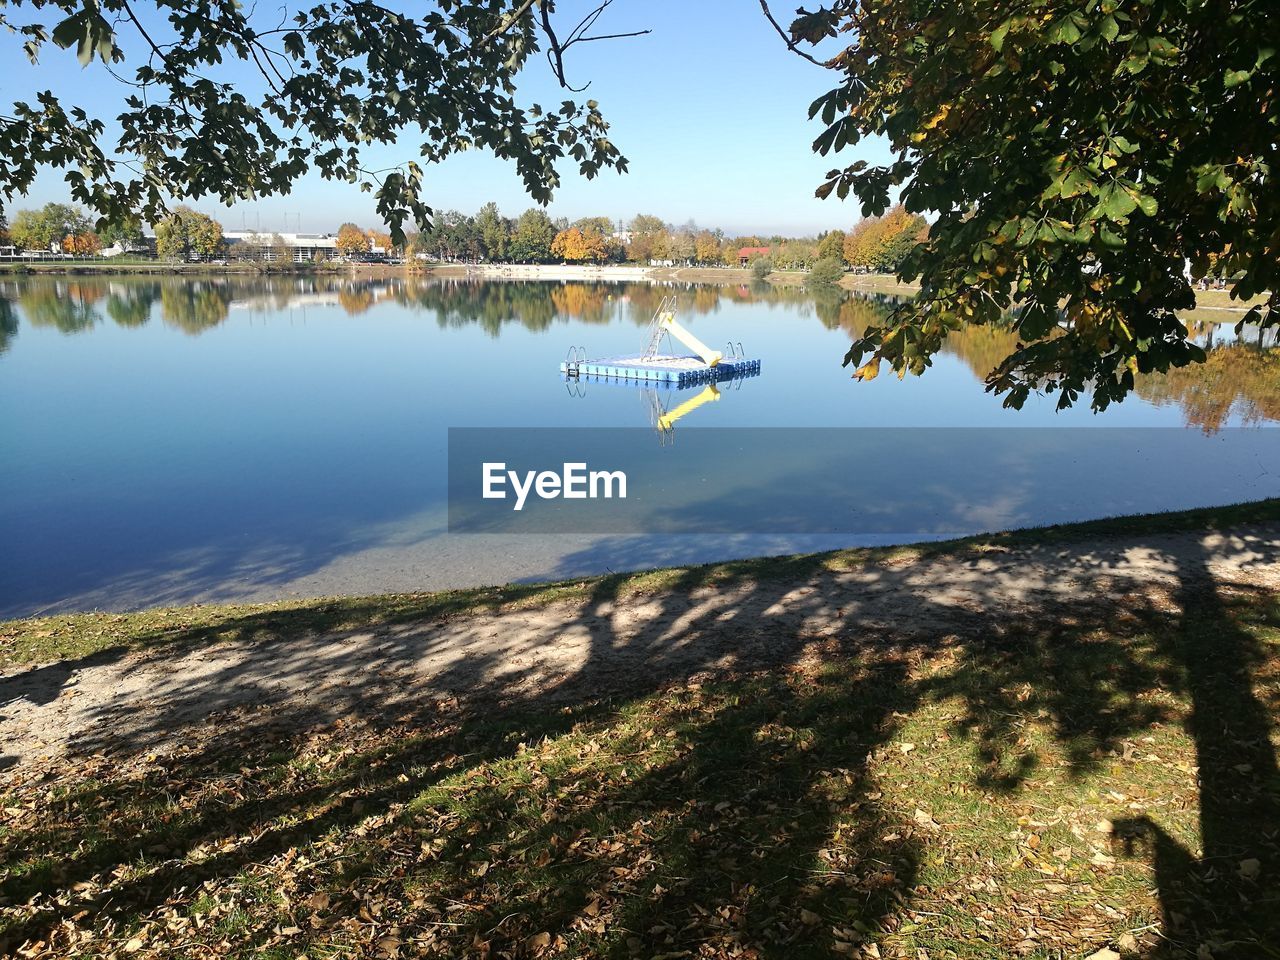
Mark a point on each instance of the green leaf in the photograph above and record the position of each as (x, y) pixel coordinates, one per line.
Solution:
(999, 33)
(1035, 321)
(1076, 182)
(1119, 204)
(1067, 32)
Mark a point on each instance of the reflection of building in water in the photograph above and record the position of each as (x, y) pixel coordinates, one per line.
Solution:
(352, 297)
(288, 303)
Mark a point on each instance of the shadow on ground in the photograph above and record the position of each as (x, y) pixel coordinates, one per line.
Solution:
(462, 802)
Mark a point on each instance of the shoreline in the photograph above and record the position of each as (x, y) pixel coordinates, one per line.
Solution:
(1206, 300)
(21, 633)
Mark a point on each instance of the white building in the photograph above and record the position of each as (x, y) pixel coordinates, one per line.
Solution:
(260, 245)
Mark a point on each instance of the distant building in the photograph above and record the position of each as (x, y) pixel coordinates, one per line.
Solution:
(300, 247)
(747, 254)
(145, 247)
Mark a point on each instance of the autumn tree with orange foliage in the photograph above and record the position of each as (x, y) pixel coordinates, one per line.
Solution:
(706, 248)
(351, 240)
(580, 245)
(881, 243)
(82, 244)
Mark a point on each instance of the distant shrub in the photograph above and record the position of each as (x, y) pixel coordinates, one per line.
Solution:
(827, 270)
(762, 268)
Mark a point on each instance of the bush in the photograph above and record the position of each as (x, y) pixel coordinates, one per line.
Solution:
(762, 268)
(827, 270)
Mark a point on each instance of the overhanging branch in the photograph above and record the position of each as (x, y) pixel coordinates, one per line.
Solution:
(791, 44)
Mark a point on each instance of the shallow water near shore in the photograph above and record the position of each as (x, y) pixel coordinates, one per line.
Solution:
(192, 440)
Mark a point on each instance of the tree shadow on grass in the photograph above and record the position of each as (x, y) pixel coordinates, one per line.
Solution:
(1221, 901)
(615, 808)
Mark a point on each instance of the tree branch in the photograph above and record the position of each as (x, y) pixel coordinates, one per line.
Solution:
(511, 21)
(791, 44)
(143, 30)
(556, 49)
(555, 54)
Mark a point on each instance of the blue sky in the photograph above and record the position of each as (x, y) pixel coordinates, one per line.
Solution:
(710, 109)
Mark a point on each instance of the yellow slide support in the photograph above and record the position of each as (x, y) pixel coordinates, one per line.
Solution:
(709, 393)
(709, 357)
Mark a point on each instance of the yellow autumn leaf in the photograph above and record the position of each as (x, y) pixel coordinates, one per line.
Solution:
(938, 117)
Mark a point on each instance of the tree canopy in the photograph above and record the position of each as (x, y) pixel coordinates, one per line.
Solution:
(533, 236)
(47, 227)
(581, 244)
(351, 240)
(186, 233)
(126, 232)
(882, 243)
(1077, 155)
(328, 81)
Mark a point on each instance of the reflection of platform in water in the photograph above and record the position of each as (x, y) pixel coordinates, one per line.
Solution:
(660, 395)
(677, 371)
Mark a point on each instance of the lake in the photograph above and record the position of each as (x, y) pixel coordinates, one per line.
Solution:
(181, 440)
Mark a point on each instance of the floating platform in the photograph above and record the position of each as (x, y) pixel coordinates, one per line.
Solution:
(676, 371)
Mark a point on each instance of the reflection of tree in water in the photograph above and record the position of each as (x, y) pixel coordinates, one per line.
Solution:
(8, 323)
(490, 305)
(1240, 378)
(194, 307)
(829, 304)
(981, 347)
(706, 299)
(129, 305)
(582, 301)
(355, 300)
(189, 305)
(536, 305)
(1235, 377)
(68, 308)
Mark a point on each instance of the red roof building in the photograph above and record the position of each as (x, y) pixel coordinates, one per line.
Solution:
(747, 254)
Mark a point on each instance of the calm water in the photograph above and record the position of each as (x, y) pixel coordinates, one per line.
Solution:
(212, 440)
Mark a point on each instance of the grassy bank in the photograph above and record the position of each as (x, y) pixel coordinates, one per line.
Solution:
(1210, 304)
(1047, 784)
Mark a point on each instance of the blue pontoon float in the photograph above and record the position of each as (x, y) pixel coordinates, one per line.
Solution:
(704, 365)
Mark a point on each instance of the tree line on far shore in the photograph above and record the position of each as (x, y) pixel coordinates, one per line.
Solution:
(877, 244)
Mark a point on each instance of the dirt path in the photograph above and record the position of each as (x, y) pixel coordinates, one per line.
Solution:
(155, 699)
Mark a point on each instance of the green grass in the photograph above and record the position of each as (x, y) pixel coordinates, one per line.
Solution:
(1041, 784)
